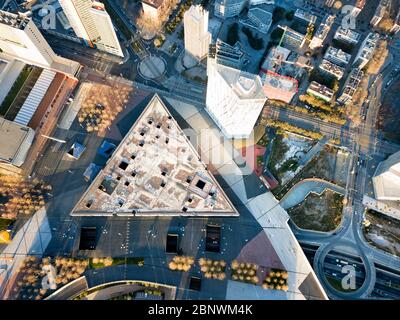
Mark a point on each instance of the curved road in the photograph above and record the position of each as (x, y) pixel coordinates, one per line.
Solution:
(299, 192)
(349, 235)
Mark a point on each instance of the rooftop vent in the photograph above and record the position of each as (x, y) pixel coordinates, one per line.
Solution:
(123, 165)
(200, 184)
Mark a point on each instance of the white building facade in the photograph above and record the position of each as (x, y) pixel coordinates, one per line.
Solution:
(366, 50)
(228, 8)
(234, 100)
(20, 39)
(197, 37)
(322, 32)
(108, 37)
(91, 22)
(386, 179)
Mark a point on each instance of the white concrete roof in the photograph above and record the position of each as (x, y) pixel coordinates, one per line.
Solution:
(15, 141)
(387, 178)
(246, 85)
(34, 98)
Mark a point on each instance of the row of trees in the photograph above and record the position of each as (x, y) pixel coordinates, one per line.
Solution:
(21, 195)
(245, 272)
(31, 273)
(108, 261)
(277, 280)
(181, 263)
(213, 269)
(170, 28)
(150, 25)
(378, 58)
(291, 128)
(329, 114)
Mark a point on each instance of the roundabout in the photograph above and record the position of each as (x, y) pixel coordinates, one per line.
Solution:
(353, 290)
(152, 67)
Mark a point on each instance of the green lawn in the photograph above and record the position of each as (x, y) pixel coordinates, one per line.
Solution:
(18, 84)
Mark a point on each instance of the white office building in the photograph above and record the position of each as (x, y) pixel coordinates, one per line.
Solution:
(359, 6)
(320, 91)
(20, 39)
(227, 55)
(380, 11)
(332, 69)
(351, 85)
(386, 179)
(259, 18)
(305, 16)
(92, 24)
(337, 56)
(228, 8)
(396, 25)
(292, 39)
(366, 50)
(347, 35)
(197, 37)
(234, 99)
(322, 32)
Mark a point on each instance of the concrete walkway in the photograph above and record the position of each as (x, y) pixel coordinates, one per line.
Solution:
(313, 151)
(301, 190)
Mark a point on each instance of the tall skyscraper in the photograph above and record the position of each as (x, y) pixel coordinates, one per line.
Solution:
(234, 99)
(197, 37)
(92, 24)
(22, 40)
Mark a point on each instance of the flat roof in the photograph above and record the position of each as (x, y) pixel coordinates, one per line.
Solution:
(155, 171)
(245, 85)
(15, 141)
(387, 178)
(18, 21)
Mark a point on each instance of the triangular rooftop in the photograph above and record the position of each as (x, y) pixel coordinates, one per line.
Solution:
(155, 170)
